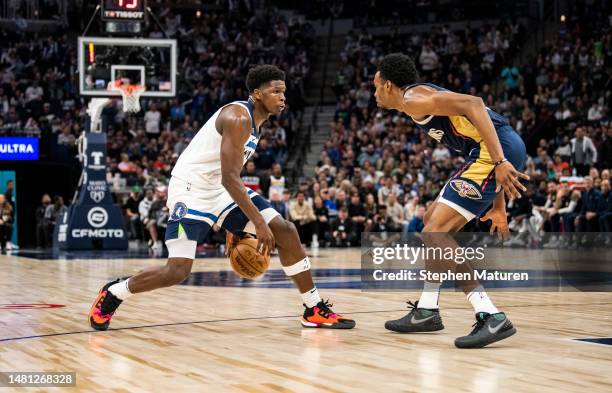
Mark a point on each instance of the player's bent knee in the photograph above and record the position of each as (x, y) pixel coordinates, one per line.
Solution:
(290, 228)
(284, 232)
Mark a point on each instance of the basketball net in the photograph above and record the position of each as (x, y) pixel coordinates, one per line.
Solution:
(130, 94)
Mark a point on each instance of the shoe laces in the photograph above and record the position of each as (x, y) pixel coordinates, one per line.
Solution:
(325, 308)
(479, 324)
(110, 302)
(412, 306)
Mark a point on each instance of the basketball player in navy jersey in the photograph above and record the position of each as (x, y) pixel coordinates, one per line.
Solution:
(206, 189)
(494, 154)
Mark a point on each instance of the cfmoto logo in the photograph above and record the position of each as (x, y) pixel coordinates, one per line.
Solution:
(97, 217)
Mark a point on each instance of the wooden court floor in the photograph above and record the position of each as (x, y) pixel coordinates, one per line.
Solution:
(198, 338)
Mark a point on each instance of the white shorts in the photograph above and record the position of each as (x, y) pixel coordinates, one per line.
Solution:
(195, 210)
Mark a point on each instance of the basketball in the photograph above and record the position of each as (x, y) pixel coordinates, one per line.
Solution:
(246, 261)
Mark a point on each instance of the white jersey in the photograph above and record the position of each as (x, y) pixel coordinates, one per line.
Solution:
(200, 162)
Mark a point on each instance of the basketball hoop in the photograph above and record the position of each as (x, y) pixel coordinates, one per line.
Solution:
(131, 95)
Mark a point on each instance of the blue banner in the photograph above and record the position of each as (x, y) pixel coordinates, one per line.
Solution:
(18, 149)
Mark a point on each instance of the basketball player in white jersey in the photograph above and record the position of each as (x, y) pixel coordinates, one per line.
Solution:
(205, 189)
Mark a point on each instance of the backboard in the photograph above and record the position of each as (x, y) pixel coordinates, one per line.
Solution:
(137, 61)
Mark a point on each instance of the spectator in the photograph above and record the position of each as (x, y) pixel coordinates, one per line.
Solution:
(588, 219)
(132, 214)
(264, 155)
(511, 76)
(357, 213)
(583, 153)
(6, 222)
(396, 212)
(363, 96)
(152, 119)
(9, 195)
(322, 221)
(369, 155)
(302, 215)
(42, 239)
(428, 59)
(381, 222)
(440, 153)
(568, 214)
(277, 181)
(416, 224)
(388, 188)
(329, 203)
(605, 208)
(144, 207)
(53, 214)
(277, 202)
(251, 178)
(342, 228)
(157, 219)
(66, 137)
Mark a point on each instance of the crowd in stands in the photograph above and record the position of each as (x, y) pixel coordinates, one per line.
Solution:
(377, 172)
(39, 97)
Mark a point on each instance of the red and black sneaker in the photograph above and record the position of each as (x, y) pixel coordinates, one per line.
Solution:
(104, 307)
(321, 316)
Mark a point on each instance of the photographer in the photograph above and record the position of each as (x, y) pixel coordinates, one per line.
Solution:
(343, 230)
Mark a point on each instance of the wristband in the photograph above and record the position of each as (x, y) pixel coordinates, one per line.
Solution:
(496, 163)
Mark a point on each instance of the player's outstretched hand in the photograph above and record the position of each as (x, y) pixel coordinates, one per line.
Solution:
(508, 179)
(265, 239)
(499, 222)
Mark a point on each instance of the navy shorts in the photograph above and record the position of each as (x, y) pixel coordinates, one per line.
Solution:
(471, 190)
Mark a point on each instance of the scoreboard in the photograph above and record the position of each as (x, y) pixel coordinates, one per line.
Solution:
(123, 10)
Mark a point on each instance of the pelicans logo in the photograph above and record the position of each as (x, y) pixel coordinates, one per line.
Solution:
(465, 189)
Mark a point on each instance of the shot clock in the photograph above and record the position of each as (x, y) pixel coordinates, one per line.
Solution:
(123, 10)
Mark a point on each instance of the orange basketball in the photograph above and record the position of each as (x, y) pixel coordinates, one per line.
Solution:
(246, 261)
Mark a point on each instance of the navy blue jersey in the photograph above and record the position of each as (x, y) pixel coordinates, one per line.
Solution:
(458, 133)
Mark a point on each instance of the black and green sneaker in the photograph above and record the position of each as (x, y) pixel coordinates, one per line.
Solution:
(417, 320)
(488, 329)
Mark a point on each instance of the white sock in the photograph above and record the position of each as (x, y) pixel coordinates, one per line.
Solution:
(481, 302)
(121, 289)
(311, 298)
(430, 295)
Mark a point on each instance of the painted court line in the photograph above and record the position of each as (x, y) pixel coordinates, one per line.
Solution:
(261, 318)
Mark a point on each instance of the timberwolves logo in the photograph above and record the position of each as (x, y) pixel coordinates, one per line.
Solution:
(180, 210)
(465, 189)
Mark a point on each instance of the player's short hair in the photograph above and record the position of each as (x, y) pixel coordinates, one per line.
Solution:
(263, 74)
(399, 69)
